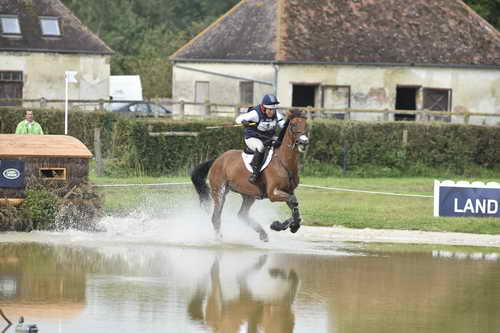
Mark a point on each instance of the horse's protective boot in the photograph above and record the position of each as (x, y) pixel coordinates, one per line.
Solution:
(256, 164)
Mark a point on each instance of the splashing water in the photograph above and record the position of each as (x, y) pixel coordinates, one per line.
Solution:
(182, 222)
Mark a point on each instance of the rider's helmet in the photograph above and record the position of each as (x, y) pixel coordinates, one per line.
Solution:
(270, 101)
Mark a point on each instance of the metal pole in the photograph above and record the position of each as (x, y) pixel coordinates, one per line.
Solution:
(66, 105)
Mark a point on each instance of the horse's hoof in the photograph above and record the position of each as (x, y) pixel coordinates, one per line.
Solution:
(263, 237)
(276, 226)
(294, 227)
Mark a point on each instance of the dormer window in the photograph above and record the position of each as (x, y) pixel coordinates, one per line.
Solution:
(50, 26)
(10, 25)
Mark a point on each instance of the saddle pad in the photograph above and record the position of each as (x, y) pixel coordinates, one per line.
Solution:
(247, 158)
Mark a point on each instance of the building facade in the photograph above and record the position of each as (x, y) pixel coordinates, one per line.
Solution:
(346, 54)
(41, 40)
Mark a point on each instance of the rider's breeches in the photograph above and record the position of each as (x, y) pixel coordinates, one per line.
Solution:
(255, 144)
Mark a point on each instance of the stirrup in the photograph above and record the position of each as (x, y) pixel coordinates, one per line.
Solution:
(253, 179)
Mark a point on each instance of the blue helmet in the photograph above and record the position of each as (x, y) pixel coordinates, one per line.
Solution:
(270, 101)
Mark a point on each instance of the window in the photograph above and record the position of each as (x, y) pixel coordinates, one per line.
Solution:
(406, 99)
(11, 87)
(53, 173)
(201, 92)
(10, 24)
(50, 26)
(246, 92)
(437, 99)
(140, 108)
(11, 76)
(304, 94)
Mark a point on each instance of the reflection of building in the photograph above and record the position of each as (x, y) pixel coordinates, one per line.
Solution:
(39, 41)
(39, 281)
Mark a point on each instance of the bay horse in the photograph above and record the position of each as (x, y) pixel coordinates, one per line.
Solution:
(277, 181)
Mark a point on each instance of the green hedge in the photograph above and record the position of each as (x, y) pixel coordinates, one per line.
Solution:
(81, 124)
(336, 144)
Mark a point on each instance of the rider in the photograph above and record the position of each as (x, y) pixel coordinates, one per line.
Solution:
(260, 122)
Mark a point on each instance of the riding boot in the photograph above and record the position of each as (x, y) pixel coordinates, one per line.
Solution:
(256, 164)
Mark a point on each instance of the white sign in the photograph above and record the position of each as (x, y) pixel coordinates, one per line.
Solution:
(11, 173)
(71, 77)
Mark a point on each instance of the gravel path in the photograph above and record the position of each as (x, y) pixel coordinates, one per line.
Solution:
(397, 236)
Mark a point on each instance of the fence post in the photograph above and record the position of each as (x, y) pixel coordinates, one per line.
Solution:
(206, 110)
(236, 111)
(97, 151)
(386, 116)
(181, 109)
(347, 115)
(466, 118)
(405, 137)
(43, 103)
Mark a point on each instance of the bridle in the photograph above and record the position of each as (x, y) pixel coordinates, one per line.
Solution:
(299, 137)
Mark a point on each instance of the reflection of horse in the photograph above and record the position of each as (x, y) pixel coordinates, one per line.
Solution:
(270, 313)
(277, 182)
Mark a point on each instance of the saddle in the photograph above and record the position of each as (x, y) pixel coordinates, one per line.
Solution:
(247, 156)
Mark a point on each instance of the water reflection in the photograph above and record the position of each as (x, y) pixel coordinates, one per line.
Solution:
(118, 288)
(247, 308)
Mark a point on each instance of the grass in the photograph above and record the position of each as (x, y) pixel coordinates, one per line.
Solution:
(327, 207)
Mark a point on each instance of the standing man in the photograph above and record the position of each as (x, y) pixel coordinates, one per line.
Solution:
(28, 125)
(260, 125)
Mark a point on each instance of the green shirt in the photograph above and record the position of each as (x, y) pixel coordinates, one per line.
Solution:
(29, 128)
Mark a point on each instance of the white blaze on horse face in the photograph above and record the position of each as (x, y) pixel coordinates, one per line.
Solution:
(303, 141)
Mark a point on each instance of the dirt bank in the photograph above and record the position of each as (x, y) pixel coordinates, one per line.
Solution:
(397, 236)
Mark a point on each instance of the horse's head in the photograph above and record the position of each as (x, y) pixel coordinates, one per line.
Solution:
(298, 129)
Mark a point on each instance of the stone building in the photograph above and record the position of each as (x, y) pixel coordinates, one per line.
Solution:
(41, 40)
(347, 54)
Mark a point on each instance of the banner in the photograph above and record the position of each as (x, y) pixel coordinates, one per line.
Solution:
(12, 173)
(466, 199)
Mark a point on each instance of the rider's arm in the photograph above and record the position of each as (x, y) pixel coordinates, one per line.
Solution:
(251, 117)
(281, 120)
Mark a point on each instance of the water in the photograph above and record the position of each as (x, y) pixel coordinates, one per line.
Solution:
(161, 271)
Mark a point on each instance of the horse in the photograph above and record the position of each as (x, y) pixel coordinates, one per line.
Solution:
(277, 181)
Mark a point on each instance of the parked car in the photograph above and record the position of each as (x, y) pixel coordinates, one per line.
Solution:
(140, 109)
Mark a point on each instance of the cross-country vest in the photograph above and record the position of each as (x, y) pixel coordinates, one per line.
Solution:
(265, 127)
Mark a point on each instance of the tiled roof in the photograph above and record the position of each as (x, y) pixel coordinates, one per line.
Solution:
(437, 32)
(75, 38)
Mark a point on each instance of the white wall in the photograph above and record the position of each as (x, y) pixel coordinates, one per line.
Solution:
(222, 90)
(372, 88)
(473, 90)
(43, 74)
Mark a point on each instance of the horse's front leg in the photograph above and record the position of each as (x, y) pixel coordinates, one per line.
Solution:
(291, 200)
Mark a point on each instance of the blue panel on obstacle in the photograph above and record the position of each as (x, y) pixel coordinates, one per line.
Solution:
(467, 200)
(12, 173)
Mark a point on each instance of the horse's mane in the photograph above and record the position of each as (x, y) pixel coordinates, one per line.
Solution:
(296, 113)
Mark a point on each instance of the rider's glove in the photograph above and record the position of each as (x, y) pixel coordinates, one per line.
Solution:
(245, 123)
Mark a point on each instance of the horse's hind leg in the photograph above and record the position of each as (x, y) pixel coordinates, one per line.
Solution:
(248, 201)
(219, 197)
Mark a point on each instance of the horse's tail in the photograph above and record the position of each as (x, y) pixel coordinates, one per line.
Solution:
(199, 177)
